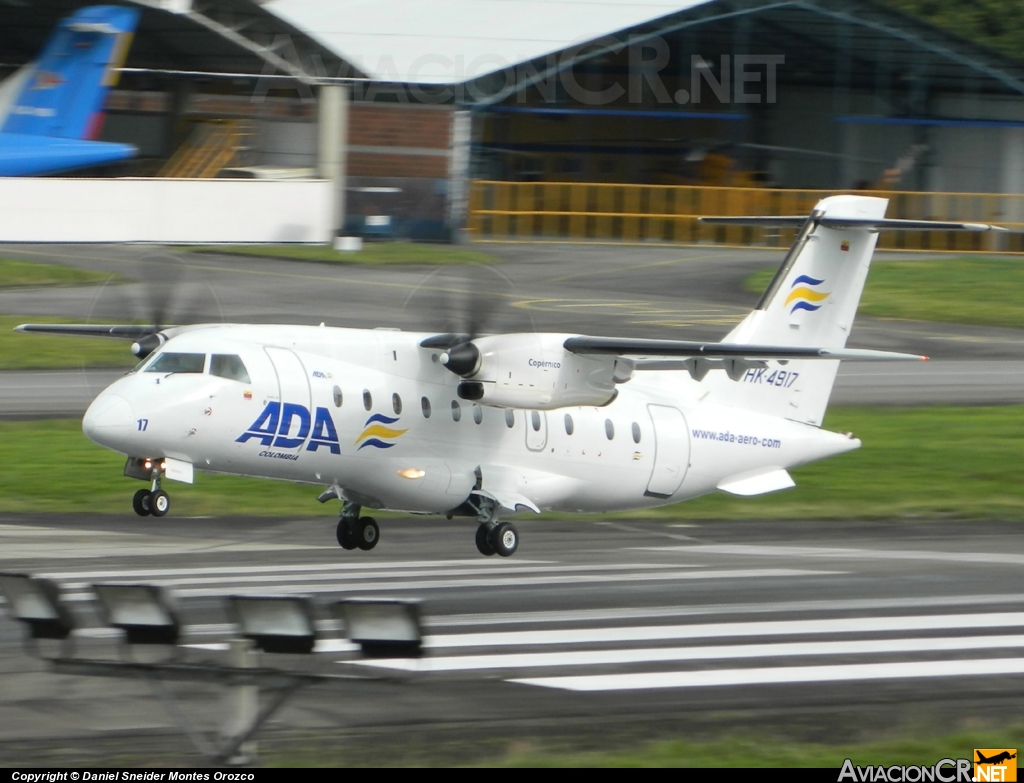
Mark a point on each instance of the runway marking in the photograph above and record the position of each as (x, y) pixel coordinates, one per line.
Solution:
(384, 573)
(780, 675)
(714, 653)
(836, 552)
(512, 582)
(285, 568)
(638, 613)
(647, 633)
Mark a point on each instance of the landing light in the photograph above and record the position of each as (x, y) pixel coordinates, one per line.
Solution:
(383, 628)
(275, 625)
(36, 603)
(412, 473)
(144, 612)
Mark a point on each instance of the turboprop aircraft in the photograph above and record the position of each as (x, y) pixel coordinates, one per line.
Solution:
(486, 426)
(51, 110)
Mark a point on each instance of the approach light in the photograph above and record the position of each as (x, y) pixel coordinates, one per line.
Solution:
(412, 473)
(36, 602)
(144, 612)
(275, 625)
(383, 628)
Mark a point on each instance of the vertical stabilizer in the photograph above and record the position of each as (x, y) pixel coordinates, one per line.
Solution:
(64, 95)
(811, 301)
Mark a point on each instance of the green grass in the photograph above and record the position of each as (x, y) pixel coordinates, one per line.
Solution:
(47, 352)
(610, 749)
(372, 253)
(983, 291)
(927, 462)
(745, 752)
(28, 274)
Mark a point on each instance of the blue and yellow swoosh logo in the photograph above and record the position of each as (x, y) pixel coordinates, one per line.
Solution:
(377, 432)
(803, 295)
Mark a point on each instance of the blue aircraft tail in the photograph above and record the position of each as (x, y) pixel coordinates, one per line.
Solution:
(52, 124)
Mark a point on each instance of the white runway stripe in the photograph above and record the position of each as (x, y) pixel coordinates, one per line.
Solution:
(340, 585)
(382, 573)
(647, 633)
(838, 552)
(723, 652)
(780, 675)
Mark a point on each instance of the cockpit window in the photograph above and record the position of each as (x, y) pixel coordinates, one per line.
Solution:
(168, 362)
(228, 366)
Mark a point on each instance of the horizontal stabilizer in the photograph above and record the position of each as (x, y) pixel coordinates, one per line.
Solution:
(615, 346)
(122, 331)
(873, 224)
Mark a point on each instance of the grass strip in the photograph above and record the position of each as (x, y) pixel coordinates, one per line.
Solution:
(967, 290)
(30, 274)
(50, 352)
(372, 253)
(919, 462)
(747, 752)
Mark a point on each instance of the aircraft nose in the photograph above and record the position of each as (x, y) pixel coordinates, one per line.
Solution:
(109, 416)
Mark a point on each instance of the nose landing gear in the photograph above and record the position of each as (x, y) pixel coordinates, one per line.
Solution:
(152, 502)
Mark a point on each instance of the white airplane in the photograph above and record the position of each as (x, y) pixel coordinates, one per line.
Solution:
(489, 426)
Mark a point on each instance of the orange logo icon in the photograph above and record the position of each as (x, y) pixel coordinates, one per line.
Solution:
(995, 764)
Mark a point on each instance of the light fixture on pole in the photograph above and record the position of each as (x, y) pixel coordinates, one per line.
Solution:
(144, 612)
(36, 603)
(383, 628)
(275, 625)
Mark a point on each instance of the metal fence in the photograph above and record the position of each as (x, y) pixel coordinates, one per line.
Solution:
(572, 211)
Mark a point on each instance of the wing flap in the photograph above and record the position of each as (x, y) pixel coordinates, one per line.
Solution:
(641, 349)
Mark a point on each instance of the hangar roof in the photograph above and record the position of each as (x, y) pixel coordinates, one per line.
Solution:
(453, 41)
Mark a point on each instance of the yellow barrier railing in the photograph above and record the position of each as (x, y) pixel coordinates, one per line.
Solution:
(569, 211)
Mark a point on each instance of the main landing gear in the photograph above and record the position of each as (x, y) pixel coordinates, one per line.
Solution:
(152, 502)
(494, 537)
(354, 531)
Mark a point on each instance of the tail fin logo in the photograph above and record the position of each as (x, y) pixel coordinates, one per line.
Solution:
(378, 434)
(804, 296)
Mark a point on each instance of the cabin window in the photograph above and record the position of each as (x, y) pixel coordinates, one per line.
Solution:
(569, 426)
(510, 418)
(425, 405)
(535, 420)
(456, 411)
(168, 362)
(609, 429)
(478, 414)
(228, 366)
(396, 404)
(636, 432)
(367, 399)
(337, 396)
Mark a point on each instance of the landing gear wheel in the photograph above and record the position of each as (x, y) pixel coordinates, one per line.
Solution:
(483, 546)
(159, 503)
(367, 533)
(346, 536)
(504, 538)
(140, 502)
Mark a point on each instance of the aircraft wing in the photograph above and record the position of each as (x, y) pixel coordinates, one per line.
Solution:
(122, 331)
(877, 224)
(686, 349)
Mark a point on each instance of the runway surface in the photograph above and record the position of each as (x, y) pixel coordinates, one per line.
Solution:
(805, 631)
(594, 634)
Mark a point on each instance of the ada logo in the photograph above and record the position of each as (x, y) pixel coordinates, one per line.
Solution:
(274, 427)
(995, 764)
(805, 295)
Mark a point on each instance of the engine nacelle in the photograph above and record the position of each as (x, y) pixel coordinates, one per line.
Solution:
(535, 371)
